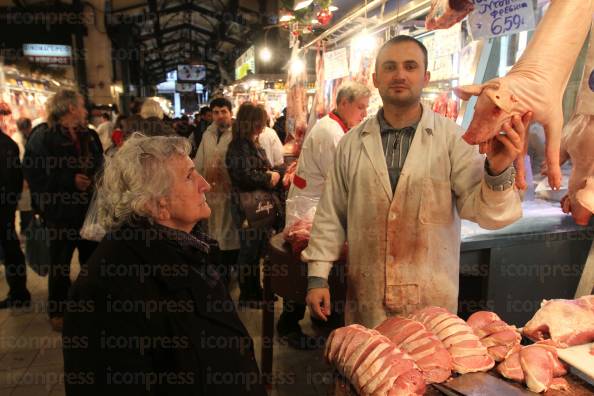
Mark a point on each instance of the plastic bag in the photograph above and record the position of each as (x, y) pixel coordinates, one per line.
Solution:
(91, 229)
(300, 212)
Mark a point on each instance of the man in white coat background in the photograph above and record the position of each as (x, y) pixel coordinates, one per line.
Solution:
(398, 187)
(210, 162)
(315, 160)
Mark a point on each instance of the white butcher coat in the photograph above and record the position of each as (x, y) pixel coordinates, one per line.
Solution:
(403, 248)
(210, 163)
(272, 145)
(317, 155)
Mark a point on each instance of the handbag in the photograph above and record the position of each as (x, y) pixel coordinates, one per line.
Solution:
(37, 245)
(260, 207)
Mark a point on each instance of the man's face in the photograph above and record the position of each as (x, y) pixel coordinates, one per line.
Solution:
(400, 74)
(221, 116)
(353, 112)
(79, 112)
(208, 116)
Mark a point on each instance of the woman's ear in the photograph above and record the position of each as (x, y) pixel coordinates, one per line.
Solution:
(163, 210)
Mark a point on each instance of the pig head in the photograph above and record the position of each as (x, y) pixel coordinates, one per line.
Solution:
(578, 145)
(535, 83)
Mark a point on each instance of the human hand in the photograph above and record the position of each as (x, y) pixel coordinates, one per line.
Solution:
(504, 149)
(274, 178)
(318, 301)
(82, 182)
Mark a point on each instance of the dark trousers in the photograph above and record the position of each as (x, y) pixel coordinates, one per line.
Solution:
(26, 217)
(292, 313)
(62, 244)
(226, 259)
(254, 242)
(14, 260)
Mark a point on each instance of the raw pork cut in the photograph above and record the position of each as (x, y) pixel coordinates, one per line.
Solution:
(423, 346)
(446, 13)
(578, 145)
(535, 83)
(565, 322)
(498, 337)
(536, 365)
(467, 352)
(372, 363)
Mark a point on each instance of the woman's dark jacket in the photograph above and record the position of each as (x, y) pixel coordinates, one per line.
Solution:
(150, 317)
(247, 166)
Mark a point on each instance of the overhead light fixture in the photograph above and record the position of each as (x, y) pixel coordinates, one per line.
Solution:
(364, 41)
(265, 54)
(286, 18)
(297, 66)
(301, 4)
(333, 8)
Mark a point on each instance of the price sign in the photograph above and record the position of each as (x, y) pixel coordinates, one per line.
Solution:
(493, 18)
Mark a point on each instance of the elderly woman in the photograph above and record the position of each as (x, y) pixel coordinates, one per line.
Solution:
(148, 314)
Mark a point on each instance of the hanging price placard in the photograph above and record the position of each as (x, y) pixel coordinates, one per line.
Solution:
(493, 18)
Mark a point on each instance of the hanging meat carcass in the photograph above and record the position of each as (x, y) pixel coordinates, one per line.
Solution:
(446, 13)
(423, 346)
(372, 363)
(564, 322)
(467, 352)
(498, 337)
(535, 83)
(537, 365)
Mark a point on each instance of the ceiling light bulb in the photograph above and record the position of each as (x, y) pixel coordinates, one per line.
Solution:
(265, 54)
(300, 4)
(286, 18)
(332, 8)
(297, 66)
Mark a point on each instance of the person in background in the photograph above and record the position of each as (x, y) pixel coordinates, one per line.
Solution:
(206, 118)
(250, 170)
(21, 136)
(104, 130)
(11, 185)
(150, 199)
(210, 162)
(62, 159)
(183, 127)
(280, 126)
(151, 122)
(272, 145)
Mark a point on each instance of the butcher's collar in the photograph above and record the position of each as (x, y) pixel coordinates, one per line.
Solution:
(385, 127)
(337, 118)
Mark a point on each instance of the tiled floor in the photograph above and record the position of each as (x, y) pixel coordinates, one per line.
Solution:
(31, 356)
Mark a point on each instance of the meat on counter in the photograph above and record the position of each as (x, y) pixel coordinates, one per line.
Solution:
(498, 337)
(565, 322)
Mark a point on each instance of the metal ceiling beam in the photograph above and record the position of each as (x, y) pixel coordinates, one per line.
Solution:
(194, 7)
(154, 12)
(171, 29)
(130, 7)
(166, 44)
(170, 63)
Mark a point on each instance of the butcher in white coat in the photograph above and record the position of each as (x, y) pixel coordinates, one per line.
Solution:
(399, 185)
(319, 146)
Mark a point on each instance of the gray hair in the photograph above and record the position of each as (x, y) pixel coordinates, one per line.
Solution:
(151, 108)
(351, 91)
(134, 179)
(59, 105)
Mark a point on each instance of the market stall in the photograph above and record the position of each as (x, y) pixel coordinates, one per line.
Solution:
(507, 275)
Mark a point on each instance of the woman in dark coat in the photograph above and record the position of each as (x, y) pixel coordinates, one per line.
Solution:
(250, 170)
(148, 314)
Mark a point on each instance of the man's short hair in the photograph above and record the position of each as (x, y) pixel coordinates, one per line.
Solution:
(351, 91)
(221, 102)
(402, 39)
(204, 110)
(23, 124)
(59, 105)
(106, 116)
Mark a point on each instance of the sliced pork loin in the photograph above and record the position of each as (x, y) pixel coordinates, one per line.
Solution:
(422, 345)
(467, 352)
(372, 363)
(497, 336)
(535, 365)
(565, 322)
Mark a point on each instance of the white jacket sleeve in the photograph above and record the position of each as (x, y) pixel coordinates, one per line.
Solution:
(329, 227)
(277, 151)
(200, 158)
(475, 200)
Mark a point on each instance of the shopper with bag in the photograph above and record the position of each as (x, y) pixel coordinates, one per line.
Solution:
(62, 158)
(256, 202)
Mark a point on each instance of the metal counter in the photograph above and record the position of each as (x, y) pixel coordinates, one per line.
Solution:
(511, 270)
